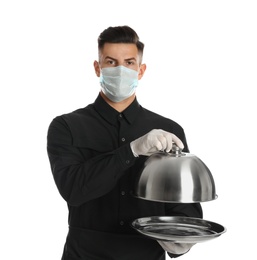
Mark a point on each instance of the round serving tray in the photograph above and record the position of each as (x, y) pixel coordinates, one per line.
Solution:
(178, 229)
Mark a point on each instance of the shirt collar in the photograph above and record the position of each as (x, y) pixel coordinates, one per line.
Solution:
(111, 115)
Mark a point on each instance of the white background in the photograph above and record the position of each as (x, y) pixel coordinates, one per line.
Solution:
(201, 61)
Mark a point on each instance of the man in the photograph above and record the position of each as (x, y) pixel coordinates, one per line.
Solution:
(96, 153)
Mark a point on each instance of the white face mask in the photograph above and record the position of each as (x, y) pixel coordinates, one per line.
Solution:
(118, 83)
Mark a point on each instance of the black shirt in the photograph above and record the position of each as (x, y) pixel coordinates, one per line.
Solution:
(95, 171)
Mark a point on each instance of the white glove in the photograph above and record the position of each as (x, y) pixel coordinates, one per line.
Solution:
(154, 141)
(175, 248)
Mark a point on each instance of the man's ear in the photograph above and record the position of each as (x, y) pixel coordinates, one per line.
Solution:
(97, 68)
(141, 71)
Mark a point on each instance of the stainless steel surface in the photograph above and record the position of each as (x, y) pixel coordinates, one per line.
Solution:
(178, 229)
(175, 177)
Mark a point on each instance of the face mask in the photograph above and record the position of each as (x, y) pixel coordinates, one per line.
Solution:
(118, 83)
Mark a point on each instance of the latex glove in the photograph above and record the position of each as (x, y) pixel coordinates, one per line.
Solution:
(154, 141)
(175, 248)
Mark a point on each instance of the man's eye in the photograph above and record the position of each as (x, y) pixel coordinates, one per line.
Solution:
(110, 62)
(130, 63)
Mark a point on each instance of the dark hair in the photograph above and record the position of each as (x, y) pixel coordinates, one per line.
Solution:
(120, 34)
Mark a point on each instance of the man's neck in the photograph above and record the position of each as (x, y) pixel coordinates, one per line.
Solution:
(119, 106)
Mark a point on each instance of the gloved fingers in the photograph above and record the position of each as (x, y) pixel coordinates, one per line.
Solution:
(151, 151)
(169, 141)
(177, 141)
(161, 142)
(154, 141)
(176, 248)
(166, 139)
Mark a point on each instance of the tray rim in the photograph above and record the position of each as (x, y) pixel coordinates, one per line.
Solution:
(144, 221)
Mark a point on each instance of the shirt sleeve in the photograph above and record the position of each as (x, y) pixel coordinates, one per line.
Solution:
(79, 179)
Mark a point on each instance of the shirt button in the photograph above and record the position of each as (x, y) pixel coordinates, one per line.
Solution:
(123, 139)
(121, 223)
(128, 161)
(123, 193)
(120, 115)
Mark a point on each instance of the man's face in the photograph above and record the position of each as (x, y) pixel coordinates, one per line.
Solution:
(117, 54)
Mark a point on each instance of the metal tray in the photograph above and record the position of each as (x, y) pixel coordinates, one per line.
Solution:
(178, 229)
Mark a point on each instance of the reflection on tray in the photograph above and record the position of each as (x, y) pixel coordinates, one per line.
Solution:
(179, 231)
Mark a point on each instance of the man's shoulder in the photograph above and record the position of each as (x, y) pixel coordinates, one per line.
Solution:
(77, 113)
(73, 117)
(156, 117)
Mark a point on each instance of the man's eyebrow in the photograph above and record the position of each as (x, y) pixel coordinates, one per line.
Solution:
(109, 57)
(128, 59)
(131, 59)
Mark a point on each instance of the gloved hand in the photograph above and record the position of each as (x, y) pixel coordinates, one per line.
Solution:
(175, 248)
(154, 141)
